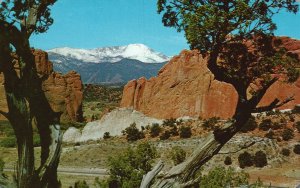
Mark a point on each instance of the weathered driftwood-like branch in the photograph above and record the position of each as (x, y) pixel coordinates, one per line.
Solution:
(51, 163)
(151, 175)
(182, 174)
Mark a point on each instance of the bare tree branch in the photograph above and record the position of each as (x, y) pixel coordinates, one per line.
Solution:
(260, 93)
(240, 149)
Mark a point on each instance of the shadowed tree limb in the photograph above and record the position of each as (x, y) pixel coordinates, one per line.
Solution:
(275, 104)
(261, 92)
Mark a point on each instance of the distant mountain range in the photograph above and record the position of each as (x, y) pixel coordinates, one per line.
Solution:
(109, 65)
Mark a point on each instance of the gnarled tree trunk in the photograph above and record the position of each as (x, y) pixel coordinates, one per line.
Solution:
(26, 101)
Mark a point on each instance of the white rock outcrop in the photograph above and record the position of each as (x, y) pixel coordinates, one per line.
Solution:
(113, 122)
(71, 135)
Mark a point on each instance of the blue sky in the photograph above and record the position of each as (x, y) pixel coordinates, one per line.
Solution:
(99, 23)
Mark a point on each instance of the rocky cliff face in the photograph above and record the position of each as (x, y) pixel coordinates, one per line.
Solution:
(186, 87)
(64, 92)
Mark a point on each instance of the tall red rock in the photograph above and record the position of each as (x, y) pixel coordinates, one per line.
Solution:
(186, 87)
(64, 92)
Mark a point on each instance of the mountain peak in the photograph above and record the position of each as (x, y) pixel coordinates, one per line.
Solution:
(114, 54)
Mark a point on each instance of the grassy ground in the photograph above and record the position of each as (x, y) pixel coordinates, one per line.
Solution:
(284, 172)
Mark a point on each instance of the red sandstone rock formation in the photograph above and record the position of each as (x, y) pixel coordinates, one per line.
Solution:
(186, 87)
(64, 92)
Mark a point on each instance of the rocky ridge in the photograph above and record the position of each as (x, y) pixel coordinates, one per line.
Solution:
(186, 87)
(64, 92)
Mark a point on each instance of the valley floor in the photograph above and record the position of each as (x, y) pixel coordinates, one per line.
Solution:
(88, 161)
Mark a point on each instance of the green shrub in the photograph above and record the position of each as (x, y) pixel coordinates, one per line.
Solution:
(172, 124)
(270, 134)
(285, 152)
(265, 125)
(221, 177)
(227, 160)
(185, 132)
(133, 133)
(250, 125)
(1, 165)
(179, 122)
(165, 135)
(101, 183)
(287, 134)
(169, 122)
(260, 159)
(174, 131)
(296, 109)
(245, 160)
(277, 126)
(147, 127)
(178, 155)
(210, 123)
(155, 130)
(297, 149)
(297, 125)
(292, 117)
(8, 142)
(81, 184)
(270, 113)
(106, 135)
(127, 170)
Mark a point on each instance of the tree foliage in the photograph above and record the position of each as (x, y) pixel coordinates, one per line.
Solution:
(228, 160)
(260, 159)
(177, 155)
(237, 40)
(185, 132)
(127, 170)
(133, 133)
(245, 160)
(237, 37)
(1, 165)
(287, 134)
(220, 177)
(285, 152)
(155, 129)
(297, 149)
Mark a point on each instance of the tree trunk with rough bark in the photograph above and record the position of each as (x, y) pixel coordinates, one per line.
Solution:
(27, 102)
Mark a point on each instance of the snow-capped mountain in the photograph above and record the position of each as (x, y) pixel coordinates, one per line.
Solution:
(117, 64)
(110, 54)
